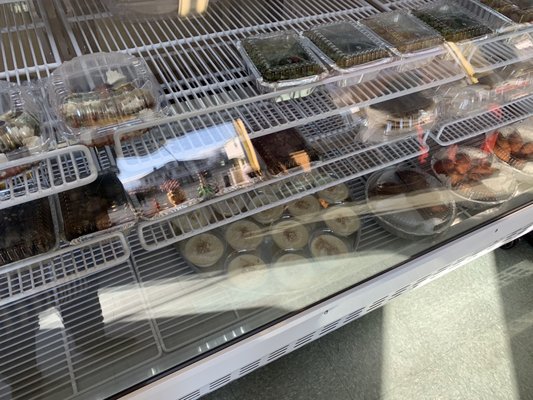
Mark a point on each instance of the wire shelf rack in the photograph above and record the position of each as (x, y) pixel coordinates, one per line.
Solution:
(483, 122)
(358, 160)
(36, 274)
(28, 49)
(46, 174)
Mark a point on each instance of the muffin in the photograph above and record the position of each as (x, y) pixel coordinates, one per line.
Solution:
(342, 221)
(243, 235)
(290, 235)
(203, 250)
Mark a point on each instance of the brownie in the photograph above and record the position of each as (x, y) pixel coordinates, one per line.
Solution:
(26, 230)
(284, 150)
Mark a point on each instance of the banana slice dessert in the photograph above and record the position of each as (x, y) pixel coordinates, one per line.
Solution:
(304, 208)
(290, 235)
(203, 250)
(243, 235)
(342, 221)
(327, 245)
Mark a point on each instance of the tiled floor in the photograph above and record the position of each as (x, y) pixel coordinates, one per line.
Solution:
(467, 335)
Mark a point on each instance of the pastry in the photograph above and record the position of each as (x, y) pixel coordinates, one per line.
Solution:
(230, 207)
(514, 146)
(243, 235)
(305, 208)
(345, 44)
(267, 216)
(191, 221)
(203, 250)
(341, 220)
(280, 56)
(335, 194)
(284, 150)
(403, 31)
(326, 245)
(290, 235)
(247, 271)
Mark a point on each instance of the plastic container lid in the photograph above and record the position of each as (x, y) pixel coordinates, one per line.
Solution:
(404, 31)
(99, 91)
(452, 21)
(346, 44)
(20, 133)
(520, 11)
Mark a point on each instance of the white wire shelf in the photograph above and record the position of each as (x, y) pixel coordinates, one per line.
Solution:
(357, 160)
(28, 48)
(46, 174)
(465, 128)
(36, 274)
(43, 333)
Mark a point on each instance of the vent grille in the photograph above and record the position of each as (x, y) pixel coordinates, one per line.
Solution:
(378, 303)
(400, 291)
(421, 281)
(329, 327)
(219, 382)
(306, 339)
(278, 353)
(249, 368)
(353, 316)
(191, 396)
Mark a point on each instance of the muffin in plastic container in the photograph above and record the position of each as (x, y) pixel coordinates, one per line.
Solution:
(410, 203)
(404, 32)
(290, 234)
(247, 270)
(94, 94)
(281, 60)
(476, 177)
(97, 209)
(520, 11)
(27, 230)
(452, 21)
(394, 118)
(513, 145)
(244, 234)
(204, 252)
(20, 131)
(324, 244)
(347, 46)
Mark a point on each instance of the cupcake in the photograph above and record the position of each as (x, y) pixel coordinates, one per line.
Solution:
(290, 235)
(327, 245)
(304, 208)
(243, 235)
(267, 216)
(247, 271)
(203, 250)
(342, 221)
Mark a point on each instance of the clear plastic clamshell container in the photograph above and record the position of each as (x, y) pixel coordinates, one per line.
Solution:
(20, 130)
(409, 202)
(281, 60)
(514, 146)
(520, 11)
(94, 94)
(347, 46)
(96, 209)
(475, 176)
(404, 31)
(462, 100)
(403, 115)
(510, 82)
(171, 172)
(452, 21)
(27, 230)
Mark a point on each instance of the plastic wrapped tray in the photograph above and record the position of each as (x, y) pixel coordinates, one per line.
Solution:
(96, 209)
(410, 203)
(476, 177)
(347, 46)
(285, 150)
(280, 60)
(93, 94)
(514, 146)
(27, 230)
(452, 21)
(20, 133)
(404, 31)
(520, 11)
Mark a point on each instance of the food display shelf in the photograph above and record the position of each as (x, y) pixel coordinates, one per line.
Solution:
(28, 49)
(46, 174)
(36, 274)
(498, 116)
(37, 334)
(359, 160)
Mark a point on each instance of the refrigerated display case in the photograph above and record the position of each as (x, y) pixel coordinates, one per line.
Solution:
(225, 222)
